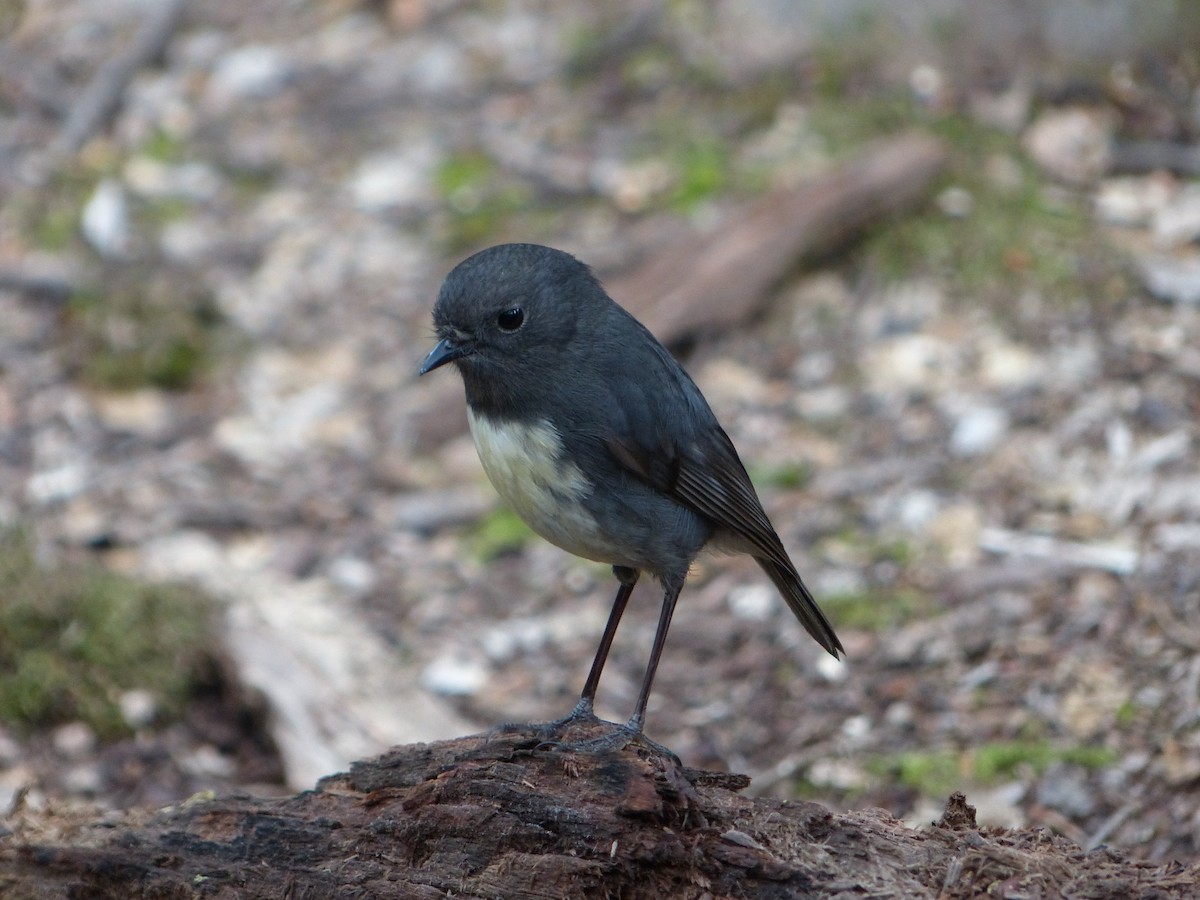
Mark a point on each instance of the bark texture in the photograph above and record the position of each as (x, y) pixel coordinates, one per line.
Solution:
(492, 816)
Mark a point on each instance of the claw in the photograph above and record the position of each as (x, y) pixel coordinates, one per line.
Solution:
(550, 736)
(620, 737)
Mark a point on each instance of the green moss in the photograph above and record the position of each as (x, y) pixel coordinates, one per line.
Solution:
(171, 366)
(586, 51)
(787, 477)
(1021, 231)
(164, 147)
(74, 638)
(877, 609)
(938, 772)
(932, 773)
(463, 177)
(479, 197)
(703, 169)
(1000, 761)
(162, 211)
(498, 533)
(844, 58)
(1126, 714)
(51, 216)
(56, 227)
(248, 185)
(143, 328)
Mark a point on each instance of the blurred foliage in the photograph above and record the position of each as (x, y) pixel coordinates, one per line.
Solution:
(479, 197)
(74, 638)
(130, 323)
(142, 326)
(165, 147)
(786, 476)
(1008, 759)
(1012, 232)
(1016, 232)
(50, 217)
(703, 168)
(935, 773)
(877, 609)
(498, 533)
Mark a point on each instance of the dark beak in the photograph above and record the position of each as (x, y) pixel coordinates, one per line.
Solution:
(446, 351)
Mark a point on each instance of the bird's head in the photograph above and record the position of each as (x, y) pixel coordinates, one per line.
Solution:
(507, 315)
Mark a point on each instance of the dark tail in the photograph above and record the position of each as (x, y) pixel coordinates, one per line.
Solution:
(801, 602)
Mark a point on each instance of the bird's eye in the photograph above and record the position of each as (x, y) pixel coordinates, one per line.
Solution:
(511, 319)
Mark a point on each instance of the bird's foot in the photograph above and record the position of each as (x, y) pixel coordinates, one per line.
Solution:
(548, 735)
(616, 737)
(595, 735)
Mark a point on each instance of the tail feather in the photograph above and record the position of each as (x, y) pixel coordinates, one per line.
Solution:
(802, 604)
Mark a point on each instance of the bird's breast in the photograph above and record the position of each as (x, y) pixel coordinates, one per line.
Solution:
(525, 463)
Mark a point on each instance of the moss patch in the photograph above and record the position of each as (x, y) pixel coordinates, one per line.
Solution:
(877, 610)
(479, 197)
(498, 533)
(143, 327)
(936, 773)
(75, 638)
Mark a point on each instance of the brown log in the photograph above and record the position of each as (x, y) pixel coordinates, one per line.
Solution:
(721, 278)
(501, 816)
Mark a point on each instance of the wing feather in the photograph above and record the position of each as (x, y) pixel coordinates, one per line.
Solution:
(689, 457)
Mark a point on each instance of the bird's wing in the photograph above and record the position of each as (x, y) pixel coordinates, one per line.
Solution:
(700, 469)
(662, 430)
(672, 440)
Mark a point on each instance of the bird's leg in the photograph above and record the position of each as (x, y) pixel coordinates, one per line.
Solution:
(631, 731)
(671, 588)
(587, 699)
(584, 710)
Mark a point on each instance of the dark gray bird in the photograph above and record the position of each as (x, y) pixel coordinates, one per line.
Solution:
(598, 439)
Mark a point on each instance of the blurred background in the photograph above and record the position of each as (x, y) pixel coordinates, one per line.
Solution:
(241, 544)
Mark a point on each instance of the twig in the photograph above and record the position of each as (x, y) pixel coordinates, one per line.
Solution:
(1110, 825)
(1137, 157)
(1110, 558)
(102, 97)
(1172, 626)
(41, 287)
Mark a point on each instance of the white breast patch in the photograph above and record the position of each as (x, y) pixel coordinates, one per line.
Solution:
(524, 463)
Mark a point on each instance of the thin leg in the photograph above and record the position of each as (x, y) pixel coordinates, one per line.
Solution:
(584, 710)
(632, 730)
(628, 578)
(671, 589)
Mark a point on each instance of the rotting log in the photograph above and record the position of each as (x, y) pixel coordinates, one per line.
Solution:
(502, 816)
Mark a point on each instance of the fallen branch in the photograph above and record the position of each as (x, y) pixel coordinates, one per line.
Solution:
(719, 279)
(1107, 557)
(38, 287)
(502, 817)
(1140, 157)
(100, 100)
